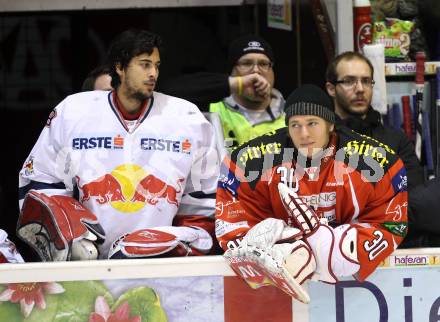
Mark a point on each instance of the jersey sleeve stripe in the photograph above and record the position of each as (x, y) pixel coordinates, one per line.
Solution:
(36, 185)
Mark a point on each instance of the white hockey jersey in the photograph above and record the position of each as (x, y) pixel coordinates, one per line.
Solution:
(160, 170)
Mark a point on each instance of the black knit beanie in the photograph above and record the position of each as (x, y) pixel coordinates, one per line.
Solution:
(246, 45)
(310, 100)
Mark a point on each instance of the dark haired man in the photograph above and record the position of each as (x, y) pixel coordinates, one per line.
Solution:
(349, 81)
(144, 164)
(314, 205)
(98, 79)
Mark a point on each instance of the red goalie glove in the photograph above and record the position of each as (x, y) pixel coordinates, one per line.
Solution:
(59, 228)
(162, 241)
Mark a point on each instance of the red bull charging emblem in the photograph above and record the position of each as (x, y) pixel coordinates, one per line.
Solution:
(128, 188)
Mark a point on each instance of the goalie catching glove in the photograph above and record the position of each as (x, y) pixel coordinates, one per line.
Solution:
(162, 241)
(59, 228)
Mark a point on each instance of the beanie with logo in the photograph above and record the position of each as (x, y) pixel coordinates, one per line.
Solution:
(246, 45)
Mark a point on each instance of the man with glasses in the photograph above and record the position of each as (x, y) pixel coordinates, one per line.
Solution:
(246, 101)
(245, 114)
(349, 81)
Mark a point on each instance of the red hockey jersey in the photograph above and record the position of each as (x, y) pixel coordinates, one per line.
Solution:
(358, 181)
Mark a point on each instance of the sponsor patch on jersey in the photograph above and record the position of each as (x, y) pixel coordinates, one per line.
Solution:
(363, 148)
(334, 184)
(396, 228)
(98, 142)
(223, 227)
(400, 181)
(330, 215)
(228, 181)
(29, 166)
(323, 199)
(118, 142)
(158, 144)
(233, 209)
(256, 152)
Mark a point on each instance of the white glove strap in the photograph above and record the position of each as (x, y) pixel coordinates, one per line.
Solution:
(195, 237)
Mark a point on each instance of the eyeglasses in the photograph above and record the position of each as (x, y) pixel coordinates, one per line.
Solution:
(248, 65)
(351, 82)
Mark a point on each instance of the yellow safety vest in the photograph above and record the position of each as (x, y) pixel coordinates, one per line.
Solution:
(236, 127)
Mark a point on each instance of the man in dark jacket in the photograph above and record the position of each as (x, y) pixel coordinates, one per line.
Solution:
(349, 81)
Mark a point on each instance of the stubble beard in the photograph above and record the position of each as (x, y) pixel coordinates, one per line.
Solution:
(139, 96)
(346, 108)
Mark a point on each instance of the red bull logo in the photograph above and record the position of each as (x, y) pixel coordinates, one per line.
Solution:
(152, 189)
(104, 189)
(128, 188)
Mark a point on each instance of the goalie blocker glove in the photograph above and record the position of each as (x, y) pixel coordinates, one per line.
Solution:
(162, 241)
(59, 228)
(334, 249)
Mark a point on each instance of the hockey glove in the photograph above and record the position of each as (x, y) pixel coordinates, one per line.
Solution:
(59, 228)
(8, 252)
(285, 266)
(271, 254)
(162, 242)
(270, 231)
(335, 250)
